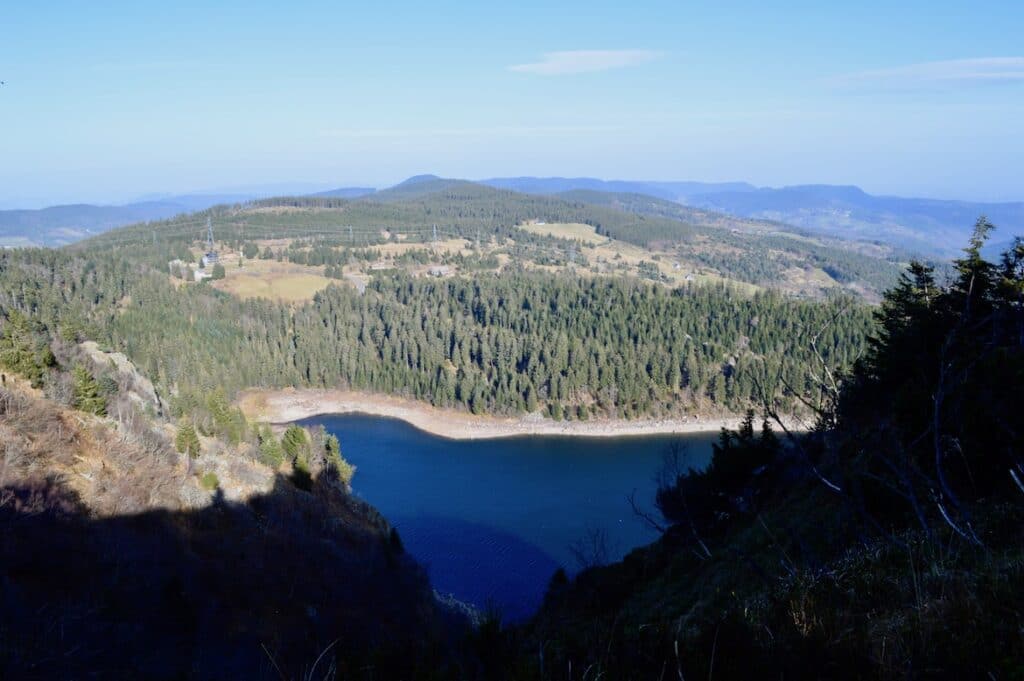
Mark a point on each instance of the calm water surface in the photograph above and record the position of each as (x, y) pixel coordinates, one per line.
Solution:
(492, 519)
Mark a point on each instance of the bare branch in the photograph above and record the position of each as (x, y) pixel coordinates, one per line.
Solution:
(643, 515)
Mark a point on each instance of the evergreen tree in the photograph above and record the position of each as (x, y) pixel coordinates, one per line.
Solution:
(271, 452)
(295, 442)
(186, 440)
(86, 393)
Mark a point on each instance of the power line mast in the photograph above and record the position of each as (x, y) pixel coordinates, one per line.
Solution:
(209, 235)
(211, 256)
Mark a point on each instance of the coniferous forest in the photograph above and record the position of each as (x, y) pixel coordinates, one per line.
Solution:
(883, 542)
(701, 357)
(572, 347)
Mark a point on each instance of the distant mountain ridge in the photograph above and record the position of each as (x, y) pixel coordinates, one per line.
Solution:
(672, 191)
(932, 227)
(66, 224)
(345, 192)
(929, 225)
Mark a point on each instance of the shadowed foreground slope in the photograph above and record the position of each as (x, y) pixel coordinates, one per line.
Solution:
(227, 591)
(223, 589)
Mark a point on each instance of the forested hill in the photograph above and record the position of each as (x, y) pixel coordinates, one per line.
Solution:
(529, 336)
(734, 248)
(527, 341)
(930, 226)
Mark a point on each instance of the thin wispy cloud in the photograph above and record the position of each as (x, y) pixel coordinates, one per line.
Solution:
(585, 61)
(975, 71)
(493, 131)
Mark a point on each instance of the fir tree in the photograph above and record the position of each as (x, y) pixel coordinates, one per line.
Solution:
(86, 392)
(186, 440)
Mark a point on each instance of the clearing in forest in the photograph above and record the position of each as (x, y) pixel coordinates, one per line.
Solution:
(566, 230)
(271, 279)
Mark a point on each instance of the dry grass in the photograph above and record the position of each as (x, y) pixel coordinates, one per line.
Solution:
(253, 404)
(610, 257)
(566, 230)
(119, 470)
(271, 279)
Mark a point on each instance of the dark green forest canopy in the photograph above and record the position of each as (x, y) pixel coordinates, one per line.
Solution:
(518, 342)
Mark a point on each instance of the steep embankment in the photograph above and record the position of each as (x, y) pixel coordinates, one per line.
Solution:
(120, 557)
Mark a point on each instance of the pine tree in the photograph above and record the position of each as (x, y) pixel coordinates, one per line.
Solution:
(336, 461)
(295, 442)
(87, 396)
(187, 441)
(271, 451)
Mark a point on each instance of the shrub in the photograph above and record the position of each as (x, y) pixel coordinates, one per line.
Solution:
(209, 481)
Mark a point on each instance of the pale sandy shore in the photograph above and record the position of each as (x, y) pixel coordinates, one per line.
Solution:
(283, 406)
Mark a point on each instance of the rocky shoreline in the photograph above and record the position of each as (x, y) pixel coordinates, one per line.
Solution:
(291, 404)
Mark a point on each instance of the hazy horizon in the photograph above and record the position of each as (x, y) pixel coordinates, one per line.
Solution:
(104, 107)
(284, 188)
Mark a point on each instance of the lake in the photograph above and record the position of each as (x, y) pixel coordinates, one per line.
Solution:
(491, 520)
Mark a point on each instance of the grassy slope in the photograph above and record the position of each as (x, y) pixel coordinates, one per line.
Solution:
(751, 251)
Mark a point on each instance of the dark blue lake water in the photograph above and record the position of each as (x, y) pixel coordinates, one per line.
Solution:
(492, 519)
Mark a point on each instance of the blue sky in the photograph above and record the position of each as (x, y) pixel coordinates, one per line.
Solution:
(109, 101)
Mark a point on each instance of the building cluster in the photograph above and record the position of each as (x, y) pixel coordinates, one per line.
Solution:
(187, 271)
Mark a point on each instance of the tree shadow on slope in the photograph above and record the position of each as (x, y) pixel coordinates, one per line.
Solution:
(289, 585)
